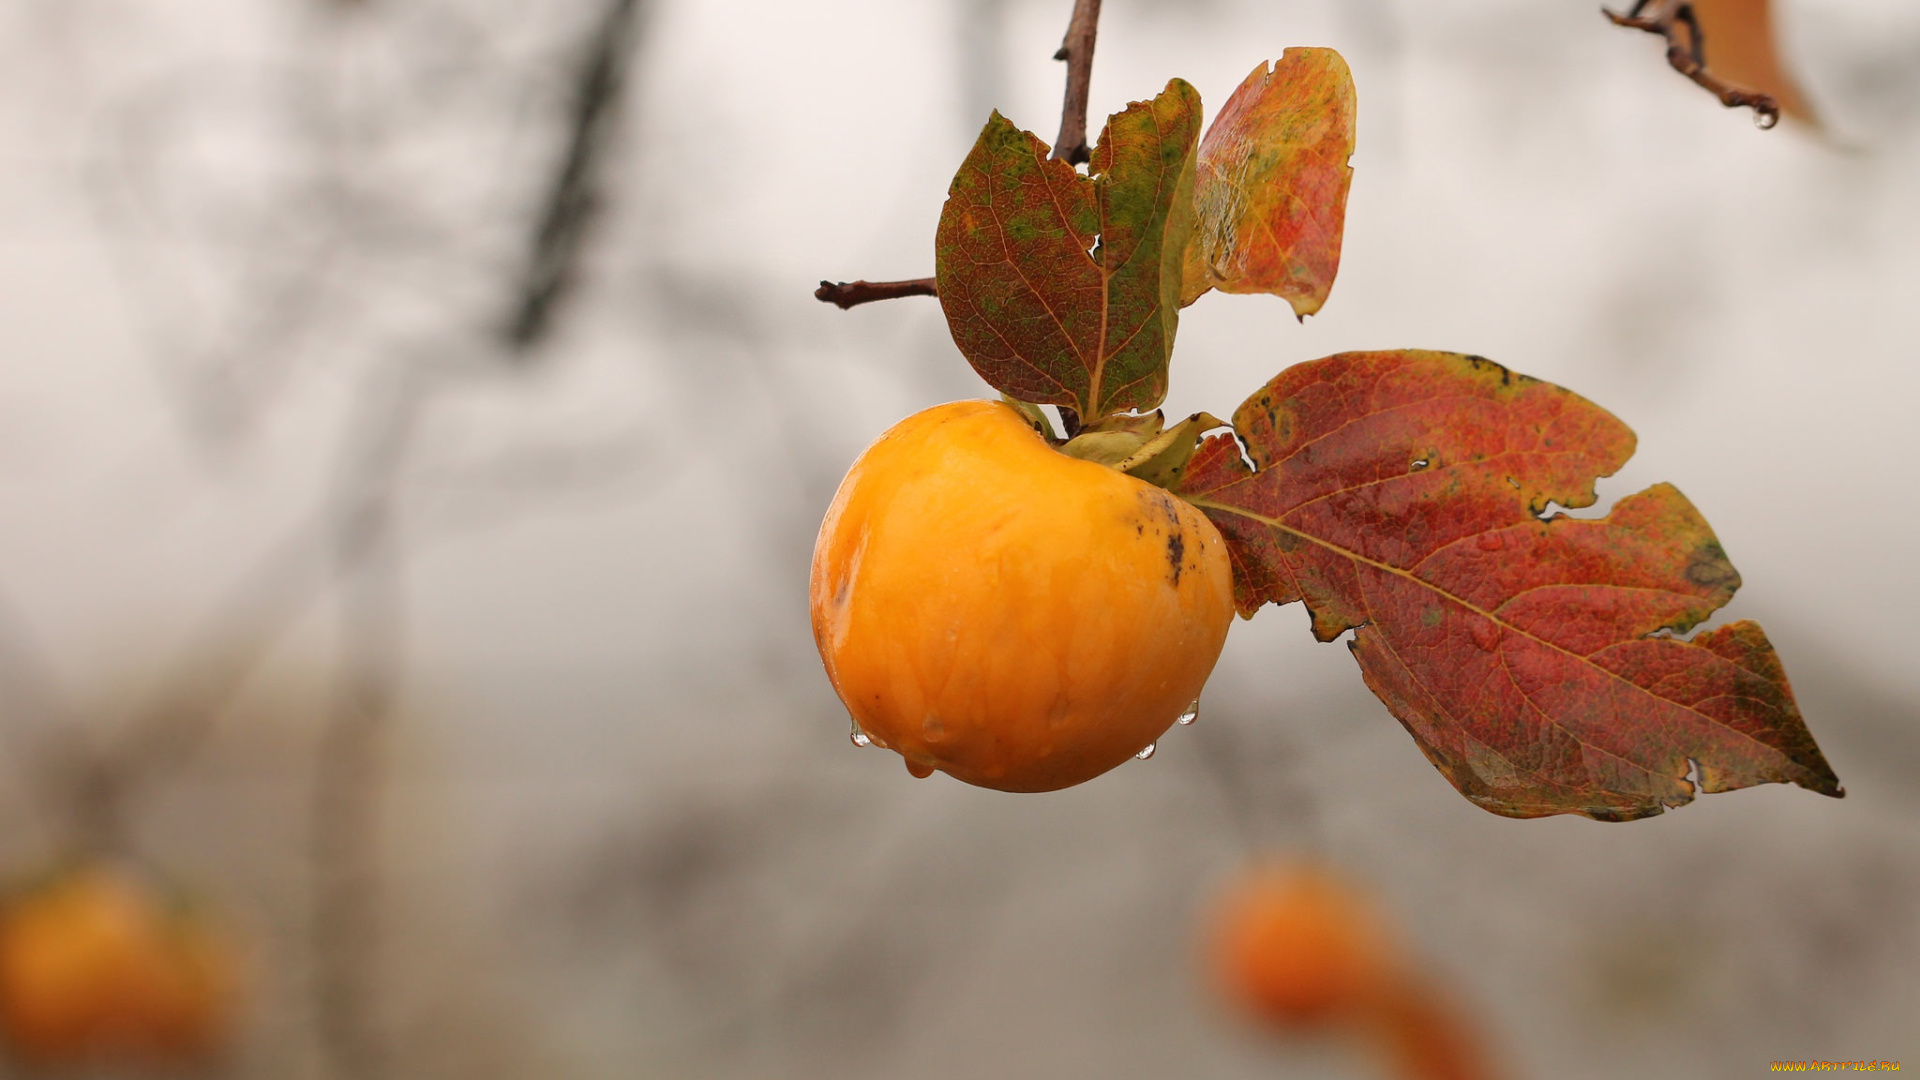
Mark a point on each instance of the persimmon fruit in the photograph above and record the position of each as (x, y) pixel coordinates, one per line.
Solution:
(1013, 616)
(97, 967)
(1297, 948)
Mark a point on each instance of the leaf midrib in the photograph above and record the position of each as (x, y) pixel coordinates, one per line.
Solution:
(1395, 571)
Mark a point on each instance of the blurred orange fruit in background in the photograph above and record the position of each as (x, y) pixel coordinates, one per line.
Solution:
(1297, 947)
(1301, 950)
(97, 966)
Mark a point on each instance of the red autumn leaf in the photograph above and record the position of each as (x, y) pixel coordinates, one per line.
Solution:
(1535, 660)
(1063, 289)
(1270, 187)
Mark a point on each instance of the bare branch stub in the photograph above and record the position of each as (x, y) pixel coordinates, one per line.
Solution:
(847, 294)
(1077, 50)
(1675, 21)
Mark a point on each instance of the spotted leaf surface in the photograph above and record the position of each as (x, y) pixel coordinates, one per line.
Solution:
(1537, 660)
(1064, 289)
(1270, 185)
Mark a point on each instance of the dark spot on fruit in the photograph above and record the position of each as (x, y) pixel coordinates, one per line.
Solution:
(1176, 554)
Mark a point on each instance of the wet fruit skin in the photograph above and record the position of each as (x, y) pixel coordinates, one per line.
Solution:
(1015, 617)
(1297, 948)
(96, 968)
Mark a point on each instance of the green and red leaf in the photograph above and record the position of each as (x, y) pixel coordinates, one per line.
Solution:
(1270, 185)
(1535, 660)
(1063, 289)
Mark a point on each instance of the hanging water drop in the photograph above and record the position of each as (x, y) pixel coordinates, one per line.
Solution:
(860, 738)
(1765, 118)
(919, 771)
(1192, 714)
(1148, 752)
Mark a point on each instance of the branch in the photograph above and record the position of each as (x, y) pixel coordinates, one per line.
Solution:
(1689, 57)
(1077, 50)
(848, 294)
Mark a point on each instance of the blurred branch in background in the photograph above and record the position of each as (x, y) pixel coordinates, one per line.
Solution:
(348, 773)
(353, 541)
(568, 216)
(347, 785)
(691, 890)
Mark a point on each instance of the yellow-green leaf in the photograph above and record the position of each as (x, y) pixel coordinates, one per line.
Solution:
(1270, 186)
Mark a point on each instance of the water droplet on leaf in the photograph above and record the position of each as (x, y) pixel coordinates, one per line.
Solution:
(1490, 542)
(1192, 714)
(860, 738)
(919, 771)
(1765, 118)
(1486, 634)
(1148, 752)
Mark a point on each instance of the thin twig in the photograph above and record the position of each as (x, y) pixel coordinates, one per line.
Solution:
(848, 294)
(1077, 50)
(1687, 54)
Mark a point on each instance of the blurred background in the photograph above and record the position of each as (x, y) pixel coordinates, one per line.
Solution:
(414, 422)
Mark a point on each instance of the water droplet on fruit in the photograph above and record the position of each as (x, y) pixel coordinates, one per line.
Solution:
(1192, 714)
(860, 738)
(919, 771)
(1148, 752)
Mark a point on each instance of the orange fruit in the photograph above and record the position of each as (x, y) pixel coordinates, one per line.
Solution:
(95, 967)
(1017, 618)
(1297, 948)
